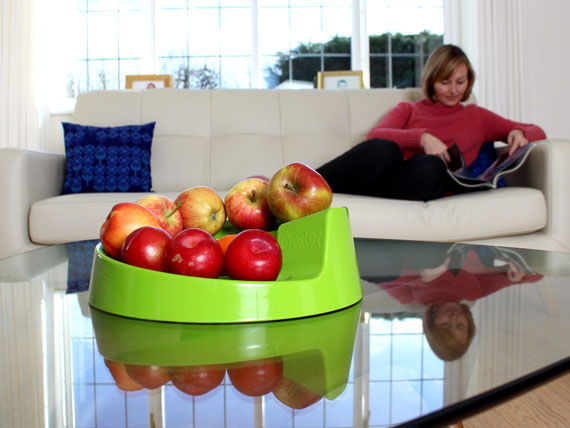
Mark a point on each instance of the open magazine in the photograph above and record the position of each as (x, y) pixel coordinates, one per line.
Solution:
(504, 164)
(500, 255)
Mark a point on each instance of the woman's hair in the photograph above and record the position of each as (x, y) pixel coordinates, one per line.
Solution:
(440, 340)
(441, 64)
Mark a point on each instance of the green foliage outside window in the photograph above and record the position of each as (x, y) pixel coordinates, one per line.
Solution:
(408, 54)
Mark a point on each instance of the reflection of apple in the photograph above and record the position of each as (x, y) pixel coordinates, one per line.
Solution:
(166, 211)
(197, 380)
(122, 379)
(256, 378)
(150, 377)
(253, 255)
(203, 208)
(297, 190)
(246, 205)
(146, 248)
(195, 252)
(121, 221)
(295, 395)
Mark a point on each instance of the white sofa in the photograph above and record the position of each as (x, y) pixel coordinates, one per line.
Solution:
(219, 137)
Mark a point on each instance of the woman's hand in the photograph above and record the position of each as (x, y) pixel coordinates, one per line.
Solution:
(434, 146)
(515, 140)
(514, 274)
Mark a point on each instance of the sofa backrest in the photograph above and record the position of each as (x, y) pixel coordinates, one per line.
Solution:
(219, 137)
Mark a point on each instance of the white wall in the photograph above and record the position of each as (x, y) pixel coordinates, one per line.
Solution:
(548, 57)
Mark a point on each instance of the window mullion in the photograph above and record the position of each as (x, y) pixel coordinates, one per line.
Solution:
(255, 55)
(360, 58)
(149, 60)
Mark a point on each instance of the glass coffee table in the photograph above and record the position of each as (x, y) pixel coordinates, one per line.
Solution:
(443, 331)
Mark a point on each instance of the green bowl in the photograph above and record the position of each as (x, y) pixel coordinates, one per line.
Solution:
(316, 351)
(319, 275)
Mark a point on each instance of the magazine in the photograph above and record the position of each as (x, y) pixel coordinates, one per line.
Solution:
(504, 164)
(500, 256)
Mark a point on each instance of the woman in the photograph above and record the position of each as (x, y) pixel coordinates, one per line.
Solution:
(405, 155)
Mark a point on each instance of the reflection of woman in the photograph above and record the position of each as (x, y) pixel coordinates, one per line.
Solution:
(448, 322)
(402, 157)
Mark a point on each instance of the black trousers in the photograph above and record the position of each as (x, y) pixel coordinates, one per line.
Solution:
(377, 168)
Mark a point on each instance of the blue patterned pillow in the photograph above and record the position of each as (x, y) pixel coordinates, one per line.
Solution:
(110, 159)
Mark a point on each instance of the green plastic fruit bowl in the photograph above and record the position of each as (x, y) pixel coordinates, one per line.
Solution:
(319, 275)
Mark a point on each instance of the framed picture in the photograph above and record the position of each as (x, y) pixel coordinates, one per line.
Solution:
(340, 79)
(148, 81)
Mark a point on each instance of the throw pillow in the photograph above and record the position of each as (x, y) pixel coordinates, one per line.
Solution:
(107, 159)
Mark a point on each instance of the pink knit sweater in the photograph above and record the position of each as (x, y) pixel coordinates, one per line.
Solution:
(469, 126)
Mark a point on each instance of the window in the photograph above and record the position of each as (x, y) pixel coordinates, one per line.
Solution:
(249, 43)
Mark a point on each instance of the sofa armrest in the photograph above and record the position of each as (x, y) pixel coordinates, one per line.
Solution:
(547, 169)
(26, 176)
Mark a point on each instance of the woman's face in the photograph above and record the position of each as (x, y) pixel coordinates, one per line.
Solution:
(450, 91)
(450, 316)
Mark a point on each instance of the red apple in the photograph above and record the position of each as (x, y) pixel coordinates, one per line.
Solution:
(197, 380)
(150, 377)
(256, 378)
(194, 252)
(122, 379)
(297, 190)
(146, 247)
(253, 255)
(203, 208)
(246, 205)
(295, 395)
(121, 221)
(261, 177)
(166, 211)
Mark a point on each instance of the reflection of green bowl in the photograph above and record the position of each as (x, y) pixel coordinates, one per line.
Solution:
(319, 275)
(316, 351)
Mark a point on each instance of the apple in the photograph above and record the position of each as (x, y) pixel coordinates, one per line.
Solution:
(121, 221)
(203, 208)
(253, 255)
(295, 395)
(122, 379)
(261, 177)
(194, 252)
(166, 211)
(246, 205)
(297, 190)
(146, 247)
(256, 378)
(197, 380)
(150, 377)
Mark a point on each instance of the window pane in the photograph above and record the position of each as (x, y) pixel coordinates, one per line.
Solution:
(103, 75)
(171, 32)
(378, 72)
(235, 31)
(103, 33)
(204, 31)
(235, 72)
(131, 40)
(273, 30)
(305, 25)
(128, 67)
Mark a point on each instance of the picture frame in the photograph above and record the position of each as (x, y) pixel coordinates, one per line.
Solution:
(344, 79)
(148, 81)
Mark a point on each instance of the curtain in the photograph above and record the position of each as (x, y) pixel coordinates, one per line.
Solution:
(18, 113)
(492, 34)
(502, 59)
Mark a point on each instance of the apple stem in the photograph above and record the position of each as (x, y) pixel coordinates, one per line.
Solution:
(178, 205)
(289, 187)
(253, 195)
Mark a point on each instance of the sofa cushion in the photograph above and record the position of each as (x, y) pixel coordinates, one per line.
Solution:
(489, 213)
(454, 218)
(107, 159)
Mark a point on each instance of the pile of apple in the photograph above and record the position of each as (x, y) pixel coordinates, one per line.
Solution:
(178, 237)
